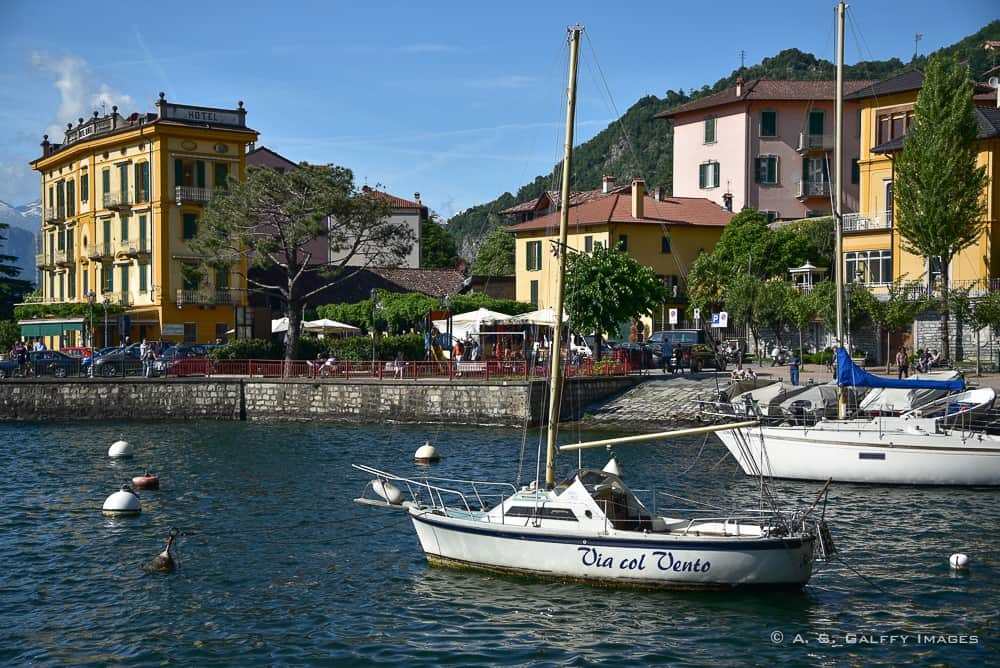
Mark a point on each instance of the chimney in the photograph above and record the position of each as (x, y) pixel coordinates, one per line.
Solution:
(638, 198)
(416, 196)
(607, 183)
(739, 86)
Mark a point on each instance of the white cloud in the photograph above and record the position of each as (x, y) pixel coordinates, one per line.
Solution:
(79, 93)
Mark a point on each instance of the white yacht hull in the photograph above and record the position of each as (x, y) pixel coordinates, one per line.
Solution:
(866, 454)
(633, 558)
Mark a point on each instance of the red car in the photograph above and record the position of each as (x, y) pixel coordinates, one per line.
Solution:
(77, 351)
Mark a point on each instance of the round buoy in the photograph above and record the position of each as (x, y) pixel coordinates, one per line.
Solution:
(612, 467)
(146, 481)
(164, 562)
(959, 561)
(122, 502)
(426, 453)
(120, 449)
(388, 491)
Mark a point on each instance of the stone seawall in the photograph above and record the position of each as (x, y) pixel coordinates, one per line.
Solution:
(506, 403)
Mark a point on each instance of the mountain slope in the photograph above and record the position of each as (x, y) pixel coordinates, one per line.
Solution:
(648, 152)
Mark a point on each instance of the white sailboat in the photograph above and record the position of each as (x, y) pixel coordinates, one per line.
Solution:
(591, 527)
(940, 444)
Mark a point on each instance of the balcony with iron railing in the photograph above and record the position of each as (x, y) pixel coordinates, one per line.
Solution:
(194, 195)
(135, 247)
(115, 298)
(808, 142)
(103, 250)
(813, 189)
(865, 222)
(55, 215)
(63, 258)
(44, 260)
(208, 297)
(117, 200)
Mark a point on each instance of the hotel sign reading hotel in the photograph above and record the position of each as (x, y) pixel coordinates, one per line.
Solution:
(206, 115)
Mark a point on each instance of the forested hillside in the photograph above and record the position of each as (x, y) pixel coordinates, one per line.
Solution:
(651, 153)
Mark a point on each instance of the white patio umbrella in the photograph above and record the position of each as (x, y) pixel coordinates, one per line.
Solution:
(545, 317)
(470, 322)
(327, 326)
(279, 325)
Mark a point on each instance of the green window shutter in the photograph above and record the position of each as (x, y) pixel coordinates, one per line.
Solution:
(855, 171)
(107, 230)
(106, 181)
(201, 173)
(710, 130)
(534, 293)
(71, 284)
(768, 123)
(124, 236)
(71, 198)
(221, 174)
(85, 188)
(623, 242)
(756, 169)
(51, 200)
(138, 182)
(144, 181)
(123, 177)
(221, 279)
(61, 196)
(143, 269)
(805, 171)
(124, 279)
(190, 225)
(665, 245)
(701, 176)
(178, 172)
(142, 233)
(815, 122)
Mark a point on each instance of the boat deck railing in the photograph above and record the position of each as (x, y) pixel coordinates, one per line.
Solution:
(474, 496)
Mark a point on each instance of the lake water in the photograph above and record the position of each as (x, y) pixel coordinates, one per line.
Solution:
(277, 566)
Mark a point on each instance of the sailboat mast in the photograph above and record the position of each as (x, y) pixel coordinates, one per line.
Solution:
(555, 358)
(838, 174)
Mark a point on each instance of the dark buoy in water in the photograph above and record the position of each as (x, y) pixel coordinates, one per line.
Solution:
(146, 481)
(163, 562)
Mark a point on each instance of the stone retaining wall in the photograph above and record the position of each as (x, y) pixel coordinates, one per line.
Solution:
(508, 403)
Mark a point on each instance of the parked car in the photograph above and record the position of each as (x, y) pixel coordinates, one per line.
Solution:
(181, 361)
(8, 368)
(87, 361)
(77, 351)
(691, 349)
(54, 363)
(118, 362)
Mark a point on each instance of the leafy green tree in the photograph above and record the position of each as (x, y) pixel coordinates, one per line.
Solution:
(939, 204)
(707, 283)
(802, 311)
(985, 312)
(437, 248)
(896, 312)
(10, 333)
(272, 220)
(12, 288)
(606, 287)
(857, 305)
(496, 254)
(742, 300)
(773, 308)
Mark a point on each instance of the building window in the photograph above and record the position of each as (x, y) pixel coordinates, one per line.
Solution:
(766, 169)
(220, 332)
(872, 267)
(770, 215)
(708, 175)
(768, 124)
(710, 130)
(142, 182)
(124, 280)
(189, 173)
(124, 230)
(672, 284)
(71, 198)
(105, 180)
(534, 256)
(123, 181)
(816, 123)
(221, 174)
(893, 125)
(143, 277)
(588, 244)
(109, 280)
(623, 242)
(190, 225)
(190, 277)
(85, 187)
(855, 171)
(222, 279)
(665, 244)
(534, 293)
(142, 234)
(86, 281)
(190, 332)
(934, 271)
(62, 293)
(71, 284)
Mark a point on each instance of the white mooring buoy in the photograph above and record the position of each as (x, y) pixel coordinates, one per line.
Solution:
(120, 449)
(426, 453)
(959, 561)
(388, 491)
(122, 502)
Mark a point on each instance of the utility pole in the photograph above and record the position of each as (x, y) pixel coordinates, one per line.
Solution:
(916, 42)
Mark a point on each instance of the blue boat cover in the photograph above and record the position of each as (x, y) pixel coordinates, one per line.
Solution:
(849, 374)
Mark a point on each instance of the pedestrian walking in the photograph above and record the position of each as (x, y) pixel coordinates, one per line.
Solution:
(902, 363)
(793, 367)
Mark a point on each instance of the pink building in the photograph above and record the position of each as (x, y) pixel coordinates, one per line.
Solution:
(766, 145)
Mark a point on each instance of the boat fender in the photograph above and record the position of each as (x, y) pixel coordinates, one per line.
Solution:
(959, 561)
(146, 481)
(120, 449)
(613, 467)
(388, 491)
(122, 502)
(426, 453)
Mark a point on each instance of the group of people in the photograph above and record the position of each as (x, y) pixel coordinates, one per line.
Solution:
(925, 360)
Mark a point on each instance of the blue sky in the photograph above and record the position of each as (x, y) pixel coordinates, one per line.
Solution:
(459, 101)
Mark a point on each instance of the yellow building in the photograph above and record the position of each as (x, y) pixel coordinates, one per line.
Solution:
(664, 233)
(873, 252)
(121, 196)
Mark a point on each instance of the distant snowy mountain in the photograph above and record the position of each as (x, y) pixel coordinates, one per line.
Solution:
(32, 210)
(25, 222)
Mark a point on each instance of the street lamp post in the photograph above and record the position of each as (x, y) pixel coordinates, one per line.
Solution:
(106, 303)
(90, 321)
(374, 309)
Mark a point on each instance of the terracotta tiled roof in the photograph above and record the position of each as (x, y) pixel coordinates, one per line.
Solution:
(433, 282)
(575, 198)
(395, 202)
(768, 89)
(617, 208)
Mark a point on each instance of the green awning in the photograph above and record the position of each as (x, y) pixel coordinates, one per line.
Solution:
(35, 329)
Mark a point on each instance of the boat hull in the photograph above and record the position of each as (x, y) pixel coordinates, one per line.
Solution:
(865, 455)
(618, 558)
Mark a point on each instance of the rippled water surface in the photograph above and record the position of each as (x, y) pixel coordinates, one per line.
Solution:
(279, 567)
